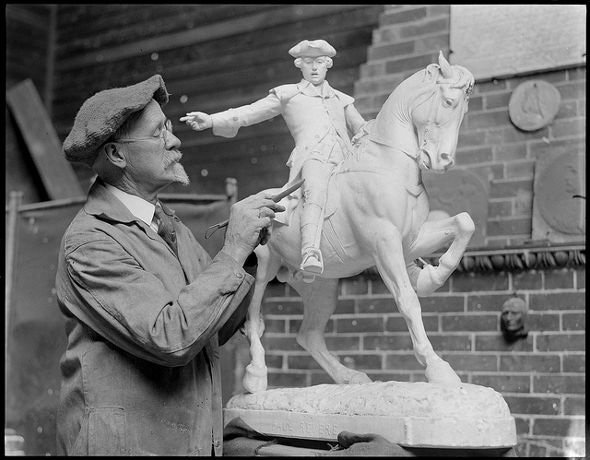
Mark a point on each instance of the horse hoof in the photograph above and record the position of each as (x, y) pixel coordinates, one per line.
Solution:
(283, 274)
(428, 281)
(359, 377)
(255, 378)
(442, 373)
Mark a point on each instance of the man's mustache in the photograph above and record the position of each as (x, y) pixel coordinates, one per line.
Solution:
(172, 156)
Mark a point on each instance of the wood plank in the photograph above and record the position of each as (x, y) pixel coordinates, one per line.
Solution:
(128, 16)
(207, 56)
(30, 16)
(14, 202)
(50, 61)
(345, 29)
(56, 173)
(191, 37)
(119, 36)
(131, 26)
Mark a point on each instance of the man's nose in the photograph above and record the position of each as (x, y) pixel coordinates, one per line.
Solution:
(172, 141)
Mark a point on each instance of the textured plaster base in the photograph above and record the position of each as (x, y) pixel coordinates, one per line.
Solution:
(411, 414)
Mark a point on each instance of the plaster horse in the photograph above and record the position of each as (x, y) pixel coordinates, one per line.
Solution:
(376, 215)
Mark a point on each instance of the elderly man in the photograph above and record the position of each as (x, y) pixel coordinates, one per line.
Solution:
(319, 119)
(146, 308)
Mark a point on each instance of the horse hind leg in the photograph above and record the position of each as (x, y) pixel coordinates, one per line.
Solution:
(319, 302)
(432, 236)
(389, 258)
(256, 374)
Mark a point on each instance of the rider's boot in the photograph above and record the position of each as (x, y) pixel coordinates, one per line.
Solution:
(311, 256)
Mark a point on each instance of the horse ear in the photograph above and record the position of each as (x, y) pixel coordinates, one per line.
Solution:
(432, 71)
(445, 67)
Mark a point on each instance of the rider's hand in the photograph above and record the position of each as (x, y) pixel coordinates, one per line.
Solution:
(362, 132)
(198, 120)
(250, 224)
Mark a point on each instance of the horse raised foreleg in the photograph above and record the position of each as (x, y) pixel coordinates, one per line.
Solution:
(432, 236)
(255, 376)
(319, 302)
(389, 258)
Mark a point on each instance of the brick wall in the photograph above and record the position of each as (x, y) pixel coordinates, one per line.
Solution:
(542, 377)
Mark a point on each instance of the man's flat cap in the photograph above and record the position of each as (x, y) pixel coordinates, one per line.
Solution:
(102, 114)
(312, 48)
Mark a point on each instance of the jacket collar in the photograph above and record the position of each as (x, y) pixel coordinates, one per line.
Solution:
(102, 203)
(307, 88)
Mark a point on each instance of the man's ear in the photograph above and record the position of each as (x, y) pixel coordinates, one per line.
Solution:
(115, 155)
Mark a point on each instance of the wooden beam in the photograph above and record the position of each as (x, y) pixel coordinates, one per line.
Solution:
(11, 242)
(206, 33)
(56, 173)
(50, 61)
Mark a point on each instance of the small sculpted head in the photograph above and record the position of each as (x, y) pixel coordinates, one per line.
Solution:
(314, 58)
(512, 320)
(438, 112)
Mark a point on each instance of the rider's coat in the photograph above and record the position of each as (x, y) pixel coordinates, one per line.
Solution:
(317, 117)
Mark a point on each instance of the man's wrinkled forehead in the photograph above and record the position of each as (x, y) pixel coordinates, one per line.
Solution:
(151, 115)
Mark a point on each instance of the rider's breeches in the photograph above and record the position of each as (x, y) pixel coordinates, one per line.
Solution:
(316, 174)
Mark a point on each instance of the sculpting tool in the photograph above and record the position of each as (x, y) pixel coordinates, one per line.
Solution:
(276, 198)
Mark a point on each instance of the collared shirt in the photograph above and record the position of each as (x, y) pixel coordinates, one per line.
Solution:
(324, 90)
(141, 372)
(140, 208)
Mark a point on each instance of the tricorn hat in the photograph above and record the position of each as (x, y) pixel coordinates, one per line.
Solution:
(312, 48)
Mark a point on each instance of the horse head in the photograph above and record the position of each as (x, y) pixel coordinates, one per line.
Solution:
(437, 113)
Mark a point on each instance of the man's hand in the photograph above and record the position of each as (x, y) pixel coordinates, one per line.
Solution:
(361, 445)
(198, 120)
(250, 224)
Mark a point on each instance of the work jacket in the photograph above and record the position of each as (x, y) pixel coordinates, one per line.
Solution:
(319, 119)
(140, 375)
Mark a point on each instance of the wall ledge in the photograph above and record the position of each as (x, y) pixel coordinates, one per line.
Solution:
(533, 256)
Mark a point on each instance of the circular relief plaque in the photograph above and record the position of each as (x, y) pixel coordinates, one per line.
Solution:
(533, 105)
(558, 189)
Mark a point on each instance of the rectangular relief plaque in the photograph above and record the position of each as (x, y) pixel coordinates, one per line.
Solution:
(495, 41)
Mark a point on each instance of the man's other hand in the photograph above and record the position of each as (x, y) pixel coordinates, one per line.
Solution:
(362, 445)
(250, 224)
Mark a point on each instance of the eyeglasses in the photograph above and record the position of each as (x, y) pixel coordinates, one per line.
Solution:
(166, 129)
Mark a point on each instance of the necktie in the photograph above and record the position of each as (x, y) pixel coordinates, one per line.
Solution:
(165, 227)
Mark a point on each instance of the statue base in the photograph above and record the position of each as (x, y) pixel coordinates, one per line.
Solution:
(424, 415)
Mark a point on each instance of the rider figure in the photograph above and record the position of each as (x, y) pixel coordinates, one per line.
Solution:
(319, 119)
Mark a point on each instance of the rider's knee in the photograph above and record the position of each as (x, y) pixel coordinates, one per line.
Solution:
(465, 223)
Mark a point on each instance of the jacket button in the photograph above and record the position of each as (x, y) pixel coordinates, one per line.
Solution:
(235, 118)
(216, 443)
(240, 275)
